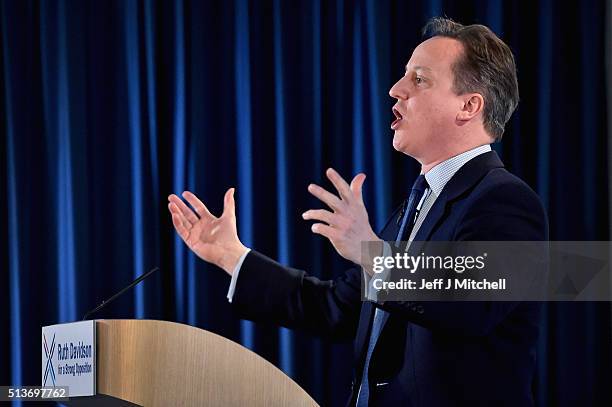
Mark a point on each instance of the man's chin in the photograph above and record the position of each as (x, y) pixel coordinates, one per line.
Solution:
(400, 144)
(397, 141)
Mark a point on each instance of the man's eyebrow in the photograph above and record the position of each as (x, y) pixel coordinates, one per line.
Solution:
(419, 68)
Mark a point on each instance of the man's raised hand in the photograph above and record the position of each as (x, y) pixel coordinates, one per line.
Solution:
(213, 239)
(347, 224)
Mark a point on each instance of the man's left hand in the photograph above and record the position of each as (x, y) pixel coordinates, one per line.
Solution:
(347, 225)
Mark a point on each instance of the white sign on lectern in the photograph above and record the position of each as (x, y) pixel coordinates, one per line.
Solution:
(69, 357)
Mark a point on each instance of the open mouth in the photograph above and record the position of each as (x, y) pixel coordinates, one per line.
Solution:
(398, 118)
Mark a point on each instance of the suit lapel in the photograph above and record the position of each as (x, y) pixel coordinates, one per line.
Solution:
(361, 339)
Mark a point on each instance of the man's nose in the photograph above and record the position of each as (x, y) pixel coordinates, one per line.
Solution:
(397, 92)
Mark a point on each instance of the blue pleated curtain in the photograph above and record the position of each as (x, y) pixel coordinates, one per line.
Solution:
(107, 107)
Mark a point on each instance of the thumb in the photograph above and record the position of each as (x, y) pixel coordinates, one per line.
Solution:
(229, 205)
(357, 185)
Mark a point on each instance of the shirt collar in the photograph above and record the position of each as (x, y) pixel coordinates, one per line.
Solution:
(439, 175)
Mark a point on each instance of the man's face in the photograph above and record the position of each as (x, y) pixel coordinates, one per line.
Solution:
(426, 108)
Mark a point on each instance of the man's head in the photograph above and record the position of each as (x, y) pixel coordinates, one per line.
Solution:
(459, 90)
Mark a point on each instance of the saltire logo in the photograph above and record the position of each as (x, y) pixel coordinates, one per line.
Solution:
(49, 369)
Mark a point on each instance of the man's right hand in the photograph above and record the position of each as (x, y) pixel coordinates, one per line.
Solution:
(213, 239)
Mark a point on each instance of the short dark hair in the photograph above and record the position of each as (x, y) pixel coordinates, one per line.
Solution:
(486, 67)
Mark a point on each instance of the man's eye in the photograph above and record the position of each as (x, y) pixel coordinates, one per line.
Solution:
(418, 80)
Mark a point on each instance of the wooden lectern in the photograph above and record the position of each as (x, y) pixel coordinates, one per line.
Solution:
(160, 363)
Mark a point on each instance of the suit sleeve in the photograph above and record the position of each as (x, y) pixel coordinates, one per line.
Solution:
(266, 291)
(508, 212)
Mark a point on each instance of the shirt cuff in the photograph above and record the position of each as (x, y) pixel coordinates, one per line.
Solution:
(232, 287)
(383, 275)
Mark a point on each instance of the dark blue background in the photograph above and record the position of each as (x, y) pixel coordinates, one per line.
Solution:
(107, 107)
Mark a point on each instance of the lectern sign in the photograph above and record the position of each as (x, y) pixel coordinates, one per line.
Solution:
(69, 357)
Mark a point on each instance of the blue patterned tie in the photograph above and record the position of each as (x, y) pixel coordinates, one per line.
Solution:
(418, 189)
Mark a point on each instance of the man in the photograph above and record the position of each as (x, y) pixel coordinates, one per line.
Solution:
(458, 92)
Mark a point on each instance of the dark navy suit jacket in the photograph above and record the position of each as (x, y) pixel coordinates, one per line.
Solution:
(428, 353)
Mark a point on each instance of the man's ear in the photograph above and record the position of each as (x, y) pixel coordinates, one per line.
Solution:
(473, 104)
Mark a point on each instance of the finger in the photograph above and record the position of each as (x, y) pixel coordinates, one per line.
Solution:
(180, 229)
(200, 208)
(229, 204)
(327, 197)
(176, 211)
(324, 230)
(185, 210)
(341, 186)
(320, 214)
(357, 186)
